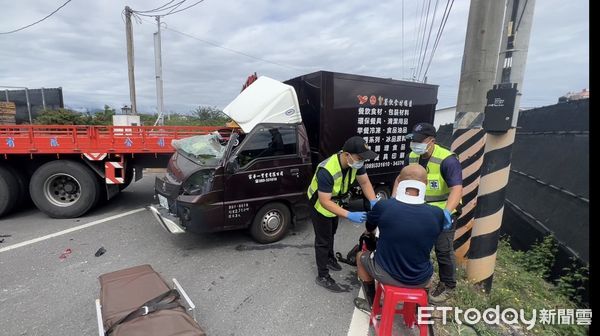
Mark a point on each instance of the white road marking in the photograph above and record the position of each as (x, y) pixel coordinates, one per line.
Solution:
(359, 325)
(76, 228)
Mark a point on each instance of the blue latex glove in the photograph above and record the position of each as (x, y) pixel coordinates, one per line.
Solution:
(447, 220)
(373, 202)
(357, 217)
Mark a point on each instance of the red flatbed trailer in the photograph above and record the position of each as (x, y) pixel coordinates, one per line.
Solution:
(67, 169)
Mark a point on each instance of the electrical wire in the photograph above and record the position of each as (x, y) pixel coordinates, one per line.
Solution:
(402, 47)
(181, 10)
(422, 40)
(415, 61)
(157, 8)
(439, 34)
(167, 6)
(175, 7)
(38, 21)
(171, 8)
(168, 28)
(428, 38)
(231, 50)
(521, 17)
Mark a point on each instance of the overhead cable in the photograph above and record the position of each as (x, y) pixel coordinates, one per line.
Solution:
(38, 21)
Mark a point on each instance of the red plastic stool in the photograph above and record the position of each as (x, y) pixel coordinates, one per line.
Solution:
(410, 297)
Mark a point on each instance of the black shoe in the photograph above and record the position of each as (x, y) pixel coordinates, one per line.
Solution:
(362, 305)
(328, 283)
(440, 294)
(333, 265)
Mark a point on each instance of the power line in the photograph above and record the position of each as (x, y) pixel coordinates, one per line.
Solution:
(231, 50)
(422, 32)
(181, 10)
(416, 53)
(171, 8)
(402, 39)
(439, 34)
(428, 38)
(165, 7)
(175, 7)
(521, 17)
(44, 18)
(157, 8)
(166, 27)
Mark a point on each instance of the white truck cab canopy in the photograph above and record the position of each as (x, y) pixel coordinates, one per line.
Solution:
(265, 101)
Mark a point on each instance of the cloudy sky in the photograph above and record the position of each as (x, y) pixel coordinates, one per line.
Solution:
(82, 47)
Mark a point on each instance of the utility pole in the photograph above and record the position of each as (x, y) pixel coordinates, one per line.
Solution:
(28, 106)
(501, 114)
(478, 72)
(129, 39)
(158, 71)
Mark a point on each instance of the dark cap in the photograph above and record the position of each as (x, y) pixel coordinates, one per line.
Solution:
(421, 131)
(358, 145)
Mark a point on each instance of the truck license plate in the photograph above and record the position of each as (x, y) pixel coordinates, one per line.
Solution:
(163, 201)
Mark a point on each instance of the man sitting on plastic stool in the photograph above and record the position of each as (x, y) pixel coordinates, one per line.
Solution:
(408, 229)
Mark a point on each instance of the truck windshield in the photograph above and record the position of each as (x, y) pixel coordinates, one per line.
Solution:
(206, 150)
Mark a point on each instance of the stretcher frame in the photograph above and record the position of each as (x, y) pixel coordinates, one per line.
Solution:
(189, 306)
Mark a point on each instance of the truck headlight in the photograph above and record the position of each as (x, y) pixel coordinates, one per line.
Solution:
(198, 183)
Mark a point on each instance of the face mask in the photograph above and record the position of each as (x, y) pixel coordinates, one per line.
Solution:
(355, 164)
(419, 148)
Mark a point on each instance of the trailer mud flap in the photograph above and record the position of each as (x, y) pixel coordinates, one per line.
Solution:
(166, 220)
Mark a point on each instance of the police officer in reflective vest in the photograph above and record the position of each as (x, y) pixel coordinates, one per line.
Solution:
(327, 192)
(444, 190)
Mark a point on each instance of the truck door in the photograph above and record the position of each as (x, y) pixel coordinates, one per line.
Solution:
(268, 167)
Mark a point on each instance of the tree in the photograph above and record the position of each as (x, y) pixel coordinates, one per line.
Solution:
(61, 117)
(210, 115)
(103, 117)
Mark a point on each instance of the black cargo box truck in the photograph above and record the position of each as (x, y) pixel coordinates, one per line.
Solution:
(257, 176)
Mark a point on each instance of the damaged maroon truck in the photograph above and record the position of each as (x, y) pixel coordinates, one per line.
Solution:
(257, 175)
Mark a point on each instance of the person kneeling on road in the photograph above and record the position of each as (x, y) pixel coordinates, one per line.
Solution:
(330, 186)
(408, 229)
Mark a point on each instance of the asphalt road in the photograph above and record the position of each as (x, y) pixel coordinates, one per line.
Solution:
(239, 287)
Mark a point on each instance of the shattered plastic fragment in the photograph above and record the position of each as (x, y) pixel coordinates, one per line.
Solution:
(100, 251)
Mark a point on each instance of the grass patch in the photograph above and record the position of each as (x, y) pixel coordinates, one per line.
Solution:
(519, 283)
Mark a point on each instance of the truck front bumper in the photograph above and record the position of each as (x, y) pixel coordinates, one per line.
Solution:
(165, 219)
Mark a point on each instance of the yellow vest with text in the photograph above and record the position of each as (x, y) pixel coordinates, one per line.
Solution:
(437, 191)
(341, 185)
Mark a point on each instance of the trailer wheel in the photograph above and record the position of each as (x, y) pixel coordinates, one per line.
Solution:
(9, 191)
(22, 180)
(64, 189)
(271, 223)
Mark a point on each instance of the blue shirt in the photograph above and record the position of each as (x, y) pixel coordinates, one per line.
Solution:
(407, 233)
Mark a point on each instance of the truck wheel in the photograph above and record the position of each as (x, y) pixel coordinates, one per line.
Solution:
(9, 191)
(22, 180)
(64, 189)
(382, 192)
(271, 223)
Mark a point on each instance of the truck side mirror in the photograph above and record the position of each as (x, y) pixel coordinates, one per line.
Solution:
(232, 165)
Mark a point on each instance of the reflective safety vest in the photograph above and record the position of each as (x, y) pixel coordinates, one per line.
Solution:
(341, 185)
(437, 191)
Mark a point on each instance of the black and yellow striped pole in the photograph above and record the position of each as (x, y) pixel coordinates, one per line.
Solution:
(501, 113)
(468, 144)
(478, 74)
